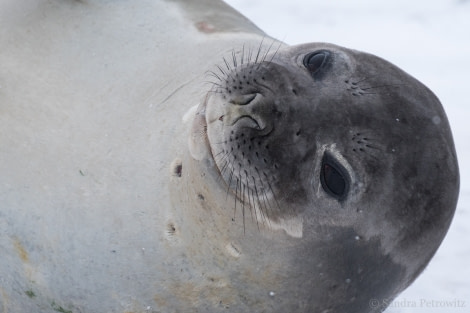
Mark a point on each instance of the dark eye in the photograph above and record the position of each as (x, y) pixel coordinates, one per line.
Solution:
(333, 177)
(316, 62)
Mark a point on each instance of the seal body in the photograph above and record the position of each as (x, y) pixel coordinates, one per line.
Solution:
(170, 157)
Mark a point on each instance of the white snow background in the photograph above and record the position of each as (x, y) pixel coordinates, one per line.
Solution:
(429, 39)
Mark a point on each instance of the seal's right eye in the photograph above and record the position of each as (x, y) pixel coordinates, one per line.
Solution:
(333, 177)
(316, 62)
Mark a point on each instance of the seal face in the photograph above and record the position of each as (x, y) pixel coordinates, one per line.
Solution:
(264, 122)
(338, 139)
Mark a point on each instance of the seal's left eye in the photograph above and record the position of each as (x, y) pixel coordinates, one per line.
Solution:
(333, 177)
(316, 62)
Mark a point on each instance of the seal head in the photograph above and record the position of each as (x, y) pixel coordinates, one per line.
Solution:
(343, 151)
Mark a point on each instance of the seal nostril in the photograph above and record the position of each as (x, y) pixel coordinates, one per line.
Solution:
(243, 99)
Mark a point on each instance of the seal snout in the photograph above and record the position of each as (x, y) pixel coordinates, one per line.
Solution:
(242, 109)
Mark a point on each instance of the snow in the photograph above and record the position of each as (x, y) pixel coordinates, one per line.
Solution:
(430, 39)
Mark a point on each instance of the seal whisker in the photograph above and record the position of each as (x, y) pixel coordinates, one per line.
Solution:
(239, 196)
(221, 70)
(227, 64)
(224, 168)
(268, 50)
(382, 86)
(213, 74)
(272, 192)
(250, 205)
(234, 59)
(214, 92)
(225, 159)
(266, 205)
(253, 196)
(217, 85)
(253, 208)
(360, 80)
(219, 153)
(265, 198)
(242, 200)
(229, 183)
(260, 203)
(259, 50)
(243, 55)
(210, 82)
(250, 54)
(236, 194)
(219, 143)
(373, 147)
(275, 52)
(251, 199)
(355, 83)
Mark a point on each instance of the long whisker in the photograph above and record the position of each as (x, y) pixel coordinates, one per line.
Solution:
(380, 86)
(243, 54)
(259, 50)
(275, 52)
(234, 58)
(227, 65)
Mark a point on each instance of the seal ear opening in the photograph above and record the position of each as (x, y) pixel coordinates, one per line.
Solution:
(334, 178)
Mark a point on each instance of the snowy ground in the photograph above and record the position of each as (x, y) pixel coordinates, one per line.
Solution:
(430, 39)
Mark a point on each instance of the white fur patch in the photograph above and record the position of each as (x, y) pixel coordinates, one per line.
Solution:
(188, 116)
(292, 226)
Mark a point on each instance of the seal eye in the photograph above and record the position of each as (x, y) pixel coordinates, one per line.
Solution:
(316, 62)
(333, 177)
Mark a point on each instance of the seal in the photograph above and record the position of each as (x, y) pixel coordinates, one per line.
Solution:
(171, 157)
(342, 151)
